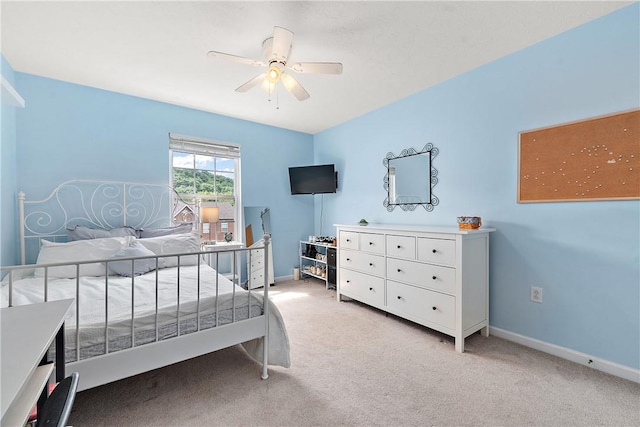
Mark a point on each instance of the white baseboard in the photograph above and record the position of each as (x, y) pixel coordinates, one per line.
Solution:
(283, 278)
(568, 354)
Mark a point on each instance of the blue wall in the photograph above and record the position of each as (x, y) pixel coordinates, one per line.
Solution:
(8, 175)
(70, 131)
(585, 255)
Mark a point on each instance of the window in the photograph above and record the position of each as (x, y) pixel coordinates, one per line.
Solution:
(205, 173)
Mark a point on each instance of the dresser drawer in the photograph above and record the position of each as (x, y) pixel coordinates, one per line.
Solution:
(349, 240)
(363, 287)
(372, 243)
(367, 263)
(401, 247)
(438, 251)
(257, 260)
(429, 276)
(437, 277)
(257, 278)
(421, 305)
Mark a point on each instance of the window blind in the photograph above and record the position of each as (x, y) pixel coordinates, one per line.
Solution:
(194, 145)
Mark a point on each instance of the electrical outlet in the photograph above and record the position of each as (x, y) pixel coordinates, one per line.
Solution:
(536, 294)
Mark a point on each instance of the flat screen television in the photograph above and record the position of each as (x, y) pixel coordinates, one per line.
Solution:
(313, 179)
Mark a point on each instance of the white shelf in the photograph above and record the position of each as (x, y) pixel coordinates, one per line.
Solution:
(306, 273)
(320, 263)
(323, 244)
(313, 259)
(9, 95)
(18, 413)
(27, 332)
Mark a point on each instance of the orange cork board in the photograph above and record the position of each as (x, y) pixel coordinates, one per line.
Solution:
(592, 159)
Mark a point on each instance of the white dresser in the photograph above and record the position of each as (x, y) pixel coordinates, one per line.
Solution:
(435, 276)
(256, 263)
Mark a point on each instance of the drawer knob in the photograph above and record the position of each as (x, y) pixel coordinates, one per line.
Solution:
(434, 277)
(370, 289)
(348, 281)
(348, 259)
(399, 246)
(434, 307)
(348, 240)
(399, 297)
(370, 243)
(370, 264)
(434, 251)
(399, 270)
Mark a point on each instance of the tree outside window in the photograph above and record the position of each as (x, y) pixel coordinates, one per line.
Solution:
(207, 180)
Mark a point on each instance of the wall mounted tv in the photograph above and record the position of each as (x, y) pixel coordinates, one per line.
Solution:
(313, 179)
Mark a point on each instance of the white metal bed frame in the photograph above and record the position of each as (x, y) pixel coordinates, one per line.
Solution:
(110, 204)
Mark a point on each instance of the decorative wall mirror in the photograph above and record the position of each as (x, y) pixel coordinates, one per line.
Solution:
(257, 221)
(410, 179)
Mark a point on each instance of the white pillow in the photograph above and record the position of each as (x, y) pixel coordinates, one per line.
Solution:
(165, 231)
(140, 266)
(80, 232)
(174, 244)
(80, 250)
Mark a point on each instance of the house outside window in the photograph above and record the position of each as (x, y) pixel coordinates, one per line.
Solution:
(205, 173)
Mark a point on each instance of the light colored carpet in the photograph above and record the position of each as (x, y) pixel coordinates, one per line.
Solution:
(353, 365)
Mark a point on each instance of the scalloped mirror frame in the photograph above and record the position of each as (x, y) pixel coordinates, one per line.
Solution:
(432, 152)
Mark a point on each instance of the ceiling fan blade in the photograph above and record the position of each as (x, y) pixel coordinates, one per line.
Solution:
(267, 86)
(282, 40)
(317, 67)
(251, 83)
(292, 85)
(234, 58)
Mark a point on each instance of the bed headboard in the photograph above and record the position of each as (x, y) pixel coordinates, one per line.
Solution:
(95, 204)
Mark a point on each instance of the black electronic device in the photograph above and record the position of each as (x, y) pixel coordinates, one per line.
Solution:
(317, 179)
(331, 277)
(331, 257)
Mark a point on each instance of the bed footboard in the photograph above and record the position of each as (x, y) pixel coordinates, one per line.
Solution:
(104, 369)
(170, 314)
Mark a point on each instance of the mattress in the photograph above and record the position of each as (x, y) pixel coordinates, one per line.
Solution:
(115, 309)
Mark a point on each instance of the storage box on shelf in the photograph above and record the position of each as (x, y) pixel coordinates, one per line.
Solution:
(318, 259)
(436, 277)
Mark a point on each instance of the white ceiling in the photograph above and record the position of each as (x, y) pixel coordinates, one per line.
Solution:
(158, 49)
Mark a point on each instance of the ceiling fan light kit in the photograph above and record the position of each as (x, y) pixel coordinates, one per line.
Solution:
(274, 72)
(276, 50)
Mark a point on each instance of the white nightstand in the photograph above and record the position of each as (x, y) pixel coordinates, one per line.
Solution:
(225, 260)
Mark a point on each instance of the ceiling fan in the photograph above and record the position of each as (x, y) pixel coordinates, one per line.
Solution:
(277, 49)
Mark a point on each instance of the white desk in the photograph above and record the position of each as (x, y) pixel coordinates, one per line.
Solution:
(27, 334)
(222, 246)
